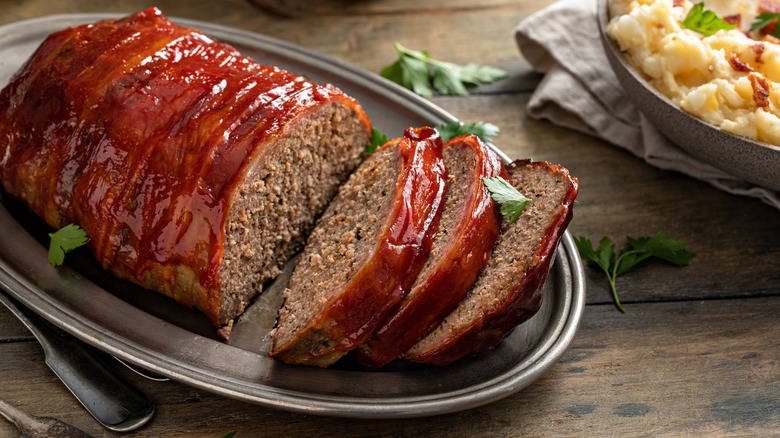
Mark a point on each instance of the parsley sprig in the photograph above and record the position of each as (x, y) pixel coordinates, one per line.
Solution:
(512, 202)
(765, 19)
(704, 21)
(447, 131)
(65, 240)
(661, 246)
(377, 139)
(417, 71)
(485, 131)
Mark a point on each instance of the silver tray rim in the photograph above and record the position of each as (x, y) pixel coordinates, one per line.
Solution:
(568, 267)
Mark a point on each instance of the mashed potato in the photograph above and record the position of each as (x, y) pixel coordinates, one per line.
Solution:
(728, 79)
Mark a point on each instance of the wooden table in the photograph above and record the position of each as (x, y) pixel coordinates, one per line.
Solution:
(698, 351)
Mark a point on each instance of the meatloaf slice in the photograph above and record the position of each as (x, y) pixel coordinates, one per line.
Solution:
(468, 228)
(509, 289)
(194, 170)
(364, 252)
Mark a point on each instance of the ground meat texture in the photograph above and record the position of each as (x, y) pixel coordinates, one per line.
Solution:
(342, 242)
(468, 228)
(193, 170)
(277, 204)
(509, 288)
(364, 252)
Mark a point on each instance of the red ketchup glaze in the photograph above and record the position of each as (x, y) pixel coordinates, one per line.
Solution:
(445, 282)
(402, 248)
(142, 130)
(521, 303)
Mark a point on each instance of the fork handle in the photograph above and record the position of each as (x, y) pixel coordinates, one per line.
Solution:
(114, 402)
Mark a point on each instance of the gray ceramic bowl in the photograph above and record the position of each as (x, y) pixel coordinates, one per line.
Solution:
(753, 161)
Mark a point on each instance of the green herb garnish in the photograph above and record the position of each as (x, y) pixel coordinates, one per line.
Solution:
(417, 71)
(377, 139)
(485, 131)
(704, 21)
(661, 245)
(230, 434)
(765, 19)
(63, 241)
(512, 202)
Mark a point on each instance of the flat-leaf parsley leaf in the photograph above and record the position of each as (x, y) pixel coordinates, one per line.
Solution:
(447, 131)
(661, 246)
(65, 240)
(512, 201)
(417, 71)
(704, 21)
(767, 21)
(377, 139)
(485, 131)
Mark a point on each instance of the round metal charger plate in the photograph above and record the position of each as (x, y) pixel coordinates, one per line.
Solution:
(149, 330)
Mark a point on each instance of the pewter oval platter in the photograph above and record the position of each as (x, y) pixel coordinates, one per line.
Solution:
(151, 331)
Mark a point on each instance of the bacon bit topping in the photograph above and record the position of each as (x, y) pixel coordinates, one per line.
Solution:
(735, 19)
(760, 89)
(758, 49)
(769, 28)
(678, 3)
(738, 65)
(772, 7)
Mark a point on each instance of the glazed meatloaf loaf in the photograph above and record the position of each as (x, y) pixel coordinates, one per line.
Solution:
(468, 228)
(509, 288)
(364, 253)
(194, 171)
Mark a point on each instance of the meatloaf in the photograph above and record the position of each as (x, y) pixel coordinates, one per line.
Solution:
(194, 170)
(509, 288)
(364, 253)
(468, 228)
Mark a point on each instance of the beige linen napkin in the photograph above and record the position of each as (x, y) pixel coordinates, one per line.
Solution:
(580, 91)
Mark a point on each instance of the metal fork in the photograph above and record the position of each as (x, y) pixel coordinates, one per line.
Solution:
(31, 426)
(113, 402)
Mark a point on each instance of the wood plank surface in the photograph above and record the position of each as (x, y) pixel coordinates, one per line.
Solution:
(696, 354)
(457, 34)
(698, 368)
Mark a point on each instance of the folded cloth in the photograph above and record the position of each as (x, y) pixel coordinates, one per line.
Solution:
(581, 92)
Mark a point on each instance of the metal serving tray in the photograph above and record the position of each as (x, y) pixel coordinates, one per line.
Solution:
(151, 331)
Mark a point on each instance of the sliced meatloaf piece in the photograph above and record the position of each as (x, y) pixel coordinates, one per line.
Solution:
(194, 170)
(468, 228)
(509, 289)
(364, 253)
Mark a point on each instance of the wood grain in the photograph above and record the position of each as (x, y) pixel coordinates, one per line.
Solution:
(667, 369)
(697, 353)
(364, 39)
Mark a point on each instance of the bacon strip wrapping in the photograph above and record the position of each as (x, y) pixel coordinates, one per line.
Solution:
(169, 149)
